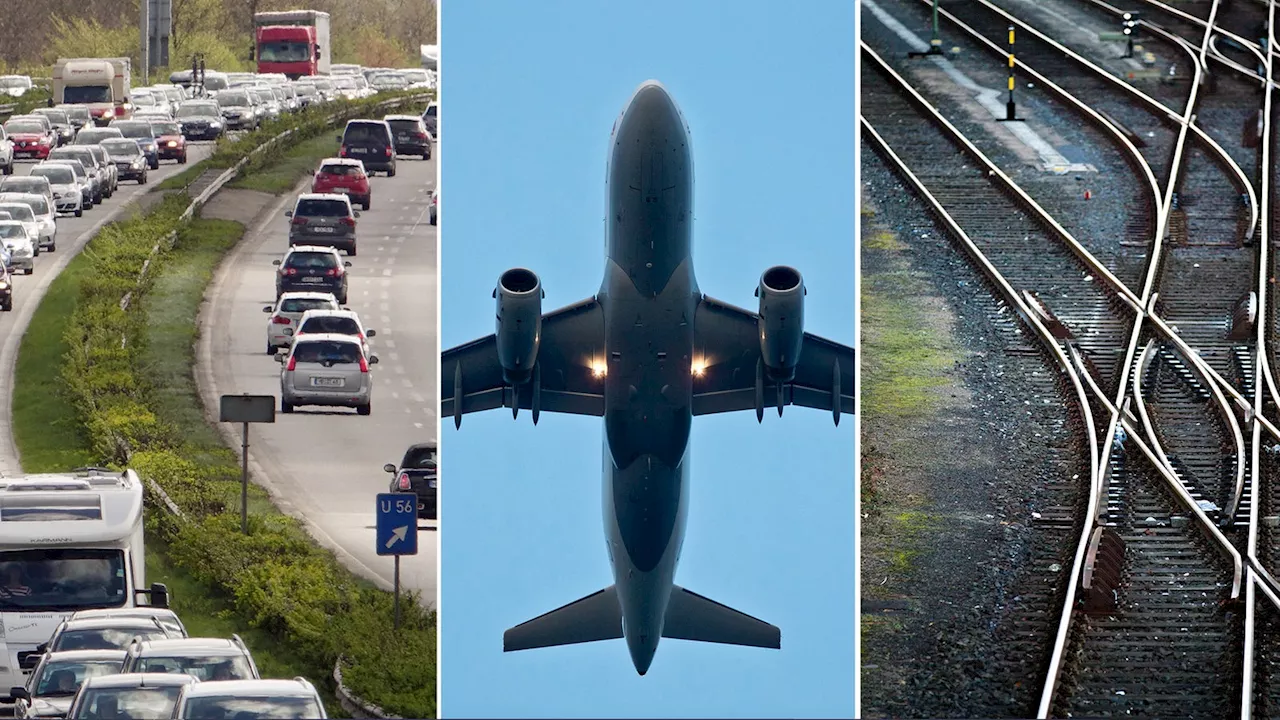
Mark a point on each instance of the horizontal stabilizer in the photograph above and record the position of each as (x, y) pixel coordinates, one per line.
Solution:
(595, 617)
(691, 616)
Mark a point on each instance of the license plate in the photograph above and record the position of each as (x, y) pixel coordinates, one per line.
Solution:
(359, 151)
(322, 229)
(327, 382)
(402, 138)
(344, 191)
(312, 279)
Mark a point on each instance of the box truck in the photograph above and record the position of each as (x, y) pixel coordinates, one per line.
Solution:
(293, 42)
(102, 84)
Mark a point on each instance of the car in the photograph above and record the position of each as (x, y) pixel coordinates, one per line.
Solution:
(200, 120)
(22, 213)
(79, 115)
(106, 633)
(6, 152)
(141, 132)
(370, 141)
(296, 698)
(323, 219)
(172, 145)
(431, 117)
(61, 179)
(30, 137)
(15, 85)
(42, 211)
(345, 177)
(308, 94)
(57, 677)
(268, 103)
(238, 110)
(418, 473)
(388, 81)
(83, 181)
(61, 122)
(18, 246)
(286, 313)
(125, 154)
(311, 268)
(95, 135)
(326, 370)
(167, 617)
(435, 205)
(332, 322)
(204, 658)
(89, 160)
(106, 168)
(128, 695)
(411, 135)
(30, 184)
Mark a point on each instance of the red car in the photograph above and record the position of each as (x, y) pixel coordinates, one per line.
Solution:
(345, 177)
(30, 138)
(170, 143)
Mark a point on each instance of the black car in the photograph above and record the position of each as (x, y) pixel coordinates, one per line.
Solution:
(200, 120)
(431, 117)
(418, 473)
(370, 141)
(141, 132)
(411, 136)
(130, 163)
(6, 294)
(311, 268)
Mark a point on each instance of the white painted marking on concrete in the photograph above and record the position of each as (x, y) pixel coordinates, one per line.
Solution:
(1051, 160)
(389, 343)
(386, 272)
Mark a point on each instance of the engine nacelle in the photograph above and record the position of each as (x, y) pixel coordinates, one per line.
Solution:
(519, 322)
(781, 294)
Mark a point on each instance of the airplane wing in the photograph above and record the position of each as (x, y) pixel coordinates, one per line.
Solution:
(729, 338)
(471, 377)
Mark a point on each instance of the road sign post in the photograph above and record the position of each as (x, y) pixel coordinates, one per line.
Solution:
(246, 409)
(397, 532)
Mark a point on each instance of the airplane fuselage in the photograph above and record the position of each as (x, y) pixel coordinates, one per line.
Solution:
(649, 297)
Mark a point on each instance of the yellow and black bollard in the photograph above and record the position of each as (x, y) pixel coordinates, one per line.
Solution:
(1010, 107)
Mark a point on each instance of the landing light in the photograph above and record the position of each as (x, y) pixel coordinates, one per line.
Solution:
(699, 368)
(597, 368)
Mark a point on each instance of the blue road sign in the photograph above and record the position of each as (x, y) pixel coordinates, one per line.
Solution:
(397, 515)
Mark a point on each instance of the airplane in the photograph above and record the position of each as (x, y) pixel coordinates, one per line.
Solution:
(647, 353)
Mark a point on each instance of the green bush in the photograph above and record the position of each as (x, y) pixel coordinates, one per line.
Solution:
(277, 578)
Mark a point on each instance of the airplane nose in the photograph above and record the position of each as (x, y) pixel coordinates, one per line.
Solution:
(642, 647)
(652, 99)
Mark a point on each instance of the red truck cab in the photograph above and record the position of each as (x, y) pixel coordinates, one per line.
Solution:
(288, 49)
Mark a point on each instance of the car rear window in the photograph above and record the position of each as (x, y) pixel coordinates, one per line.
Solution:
(60, 175)
(321, 208)
(343, 170)
(331, 324)
(303, 260)
(326, 352)
(365, 133)
(104, 638)
(423, 458)
(406, 126)
(300, 305)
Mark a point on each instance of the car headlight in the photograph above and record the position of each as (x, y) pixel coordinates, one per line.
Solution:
(172, 143)
(137, 162)
(215, 124)
(4, 285)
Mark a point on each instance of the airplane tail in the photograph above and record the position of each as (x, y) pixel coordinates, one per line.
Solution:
(598, 616)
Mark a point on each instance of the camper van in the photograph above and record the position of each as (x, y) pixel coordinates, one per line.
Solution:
(68, 542)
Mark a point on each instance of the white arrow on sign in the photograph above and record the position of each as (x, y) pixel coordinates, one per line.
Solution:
(397, 535)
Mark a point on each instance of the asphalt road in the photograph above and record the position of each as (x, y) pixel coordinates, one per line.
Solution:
(324, 465)
(73, 234)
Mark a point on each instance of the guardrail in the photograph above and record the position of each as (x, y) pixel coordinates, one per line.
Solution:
(354, 706)
(7, 110)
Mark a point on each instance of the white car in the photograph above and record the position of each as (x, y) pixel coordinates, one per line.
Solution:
(286, 313)
(67, 197)
(18, 247)
(14, 85)
(27, 184)
(83, 180)
(48, 228)
(21, 212)
(333, 322)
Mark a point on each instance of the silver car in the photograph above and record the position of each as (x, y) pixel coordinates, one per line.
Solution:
(325, 219)
(23, 207)
(28, 184)
(128, 695)
(83, 180)
(286, 314)
(19, 246)
(328, 370)
(106, 168)
(295, 698)
(67, 197)
(332, 322)
(90, 162)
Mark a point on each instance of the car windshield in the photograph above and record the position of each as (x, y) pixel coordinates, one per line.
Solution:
(166, 128)
(87, 94)
(12, 230)
(204, 667)
(340, 169)
(326, 352)
(311, 260)
(301, 305)
(365, 133)
(75, 167)
(138, 131)
(402, 127)
(144, 703)
(23, 126)
(284, 51)
(422, 458)
(97, 135)
(51, 580)
(14, 82)
(58, 175)
(55, 116)
(26, 184)
(388, 80)
(105, 638)
(233, 99)
(345, 83)
(21, 213)
(331, 324)
(320, 208)
(236, 707)
(215, 82)
(415, 76)
(77, 113)
(121, 147)
(307, 90)
(144, 101)
(64, 677)
(197, 110)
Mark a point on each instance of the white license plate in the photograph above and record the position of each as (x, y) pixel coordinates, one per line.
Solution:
(342, 190)
(402, 138)
(322, 229)
(359, 151)
(312, 279)
(327, 382)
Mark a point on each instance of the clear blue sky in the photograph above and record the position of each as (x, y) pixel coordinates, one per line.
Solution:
(530, 91)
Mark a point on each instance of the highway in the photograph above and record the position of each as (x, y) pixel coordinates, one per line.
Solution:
(73, 234)
(322, 465)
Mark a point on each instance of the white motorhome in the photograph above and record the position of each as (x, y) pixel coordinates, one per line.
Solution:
(100, 83)
(68, 541)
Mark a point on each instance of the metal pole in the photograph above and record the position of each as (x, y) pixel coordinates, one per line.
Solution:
(1010, 108)
(935, 43)
(397, 593)
(244, 481)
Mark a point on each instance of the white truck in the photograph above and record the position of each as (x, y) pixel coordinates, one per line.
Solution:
(101, 83)
(68, 541)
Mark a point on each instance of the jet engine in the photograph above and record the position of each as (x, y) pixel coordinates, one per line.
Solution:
(781, 294)
(519, 294)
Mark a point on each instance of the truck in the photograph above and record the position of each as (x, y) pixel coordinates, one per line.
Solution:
(68, 542)
(292, 42)
(100, 83)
